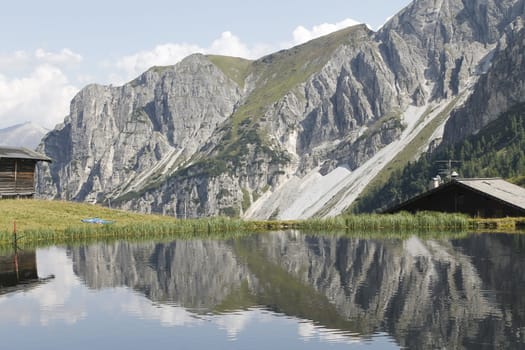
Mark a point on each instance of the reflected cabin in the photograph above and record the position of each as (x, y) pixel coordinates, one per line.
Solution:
(17, 172)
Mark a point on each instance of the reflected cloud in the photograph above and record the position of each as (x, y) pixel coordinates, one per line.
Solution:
(308, 332)
(168, 316)
(54, 261)
(332, 289)
(234, 323)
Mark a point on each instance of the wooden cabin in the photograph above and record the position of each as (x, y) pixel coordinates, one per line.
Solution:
(485, 198)
(17, 172)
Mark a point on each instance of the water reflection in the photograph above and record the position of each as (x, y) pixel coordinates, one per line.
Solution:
(457, 293)
(18, 271)
(427, 294)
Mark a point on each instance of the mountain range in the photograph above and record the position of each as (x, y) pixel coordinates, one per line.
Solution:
(298, 133)
(26, 135)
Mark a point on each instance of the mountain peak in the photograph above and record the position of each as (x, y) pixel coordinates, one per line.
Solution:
(28, 134)
(296, 133)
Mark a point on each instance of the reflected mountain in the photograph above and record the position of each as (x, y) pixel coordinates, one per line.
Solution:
(426, 294)
(195, 274)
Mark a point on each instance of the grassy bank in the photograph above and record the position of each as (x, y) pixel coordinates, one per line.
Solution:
(60, 222)
(54, 222)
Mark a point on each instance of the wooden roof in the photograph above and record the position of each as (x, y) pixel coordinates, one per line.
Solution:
(22, 153)
(497, 188)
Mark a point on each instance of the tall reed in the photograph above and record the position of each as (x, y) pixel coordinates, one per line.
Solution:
(423, 221)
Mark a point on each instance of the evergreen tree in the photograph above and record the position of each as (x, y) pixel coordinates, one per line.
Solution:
(496, 151)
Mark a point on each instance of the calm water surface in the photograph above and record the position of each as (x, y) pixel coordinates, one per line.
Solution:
(268, 291)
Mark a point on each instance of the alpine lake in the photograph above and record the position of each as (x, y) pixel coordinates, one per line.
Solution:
(279, 290)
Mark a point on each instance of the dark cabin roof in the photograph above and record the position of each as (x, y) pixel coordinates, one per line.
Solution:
(22, 153)
(497, 188)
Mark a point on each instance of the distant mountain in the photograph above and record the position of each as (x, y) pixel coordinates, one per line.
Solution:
(298, 133)
(26, 135)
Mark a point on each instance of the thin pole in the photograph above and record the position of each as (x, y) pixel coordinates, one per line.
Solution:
(15, 246)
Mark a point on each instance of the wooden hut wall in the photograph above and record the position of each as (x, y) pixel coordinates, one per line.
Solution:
(7, 176)
(17, 176)
(25, 178)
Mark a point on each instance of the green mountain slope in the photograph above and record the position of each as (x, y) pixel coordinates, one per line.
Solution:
(496, 151)
(273, 77)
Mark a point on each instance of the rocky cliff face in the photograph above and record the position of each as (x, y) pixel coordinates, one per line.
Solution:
(500, 89)
(295, 134)
(117, 139)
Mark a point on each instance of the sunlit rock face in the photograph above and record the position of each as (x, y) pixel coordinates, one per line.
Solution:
(500, 89)
(225, 136)
(426, 293)
(115, 138)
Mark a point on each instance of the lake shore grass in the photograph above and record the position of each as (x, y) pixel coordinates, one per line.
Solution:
(57, 222)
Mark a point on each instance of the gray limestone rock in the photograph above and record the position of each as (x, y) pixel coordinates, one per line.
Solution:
(212, 135)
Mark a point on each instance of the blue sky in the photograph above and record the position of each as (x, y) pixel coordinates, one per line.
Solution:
(51, 49)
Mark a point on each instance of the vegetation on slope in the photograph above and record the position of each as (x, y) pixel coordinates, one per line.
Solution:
(274, 76)
(496, 151)
(409, 153)
(236, 68)
(244, 139)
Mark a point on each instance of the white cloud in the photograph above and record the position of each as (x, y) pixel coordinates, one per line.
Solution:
(302, 34)
(42, 96)
(27, 60)
(15, 60)
(65, 56)
(34, 88)
(38, 86)
(168, 54)
(227, 44)
(161, 55)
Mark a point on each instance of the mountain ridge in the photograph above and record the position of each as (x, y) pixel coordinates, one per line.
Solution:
(26, 134)
(303, 128)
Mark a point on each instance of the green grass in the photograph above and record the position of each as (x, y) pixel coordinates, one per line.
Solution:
(55, 221)
(41, 223)
(60, 215)
(235, 68)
